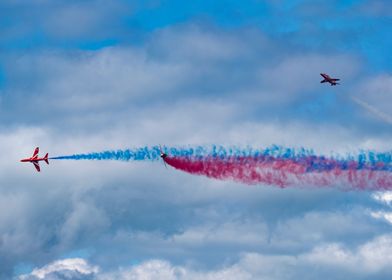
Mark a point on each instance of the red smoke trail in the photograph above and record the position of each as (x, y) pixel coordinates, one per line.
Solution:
(281, 172)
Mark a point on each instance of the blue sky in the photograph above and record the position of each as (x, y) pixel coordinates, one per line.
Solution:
(84, 76)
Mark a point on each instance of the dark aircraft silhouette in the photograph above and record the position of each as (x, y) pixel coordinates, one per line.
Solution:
(328, 79)
(162, 155)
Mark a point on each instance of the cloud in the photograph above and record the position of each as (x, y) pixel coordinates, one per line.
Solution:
(63, 269)
(384, 197)
(387, 216)
(61, 23)
(85, 87)
(159, 269)
(370, 259)
(184, 85)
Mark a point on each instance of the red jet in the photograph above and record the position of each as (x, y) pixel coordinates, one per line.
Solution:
(35, 159)
(328, 79)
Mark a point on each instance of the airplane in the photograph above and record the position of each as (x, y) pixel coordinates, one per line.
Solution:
(35, 159)
(163, 155)
(328, 79)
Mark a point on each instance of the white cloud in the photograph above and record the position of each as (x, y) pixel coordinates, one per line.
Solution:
(371, 259)
(387, 216)
(384, 197)
(155, 269)
(68, 268)
(159, 269)
(127, 97)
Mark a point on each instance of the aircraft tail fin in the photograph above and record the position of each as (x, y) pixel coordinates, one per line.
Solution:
(323, 81)
(46, 158)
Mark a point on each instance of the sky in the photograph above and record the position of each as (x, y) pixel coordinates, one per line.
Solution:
(94, 75)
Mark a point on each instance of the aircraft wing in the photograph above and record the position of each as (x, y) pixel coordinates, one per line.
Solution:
(35, 154)
(335, 80)
(36, 165)
(325, 76)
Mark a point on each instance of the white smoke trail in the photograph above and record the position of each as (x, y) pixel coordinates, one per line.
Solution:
(383, 116)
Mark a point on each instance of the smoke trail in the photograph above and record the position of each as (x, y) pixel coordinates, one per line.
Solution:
(287, 172)
(373, 110)
(274, 165)
(139, 154)
(153, 153)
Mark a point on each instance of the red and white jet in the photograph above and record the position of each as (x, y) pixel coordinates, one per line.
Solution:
(328, 79)
(35, 159)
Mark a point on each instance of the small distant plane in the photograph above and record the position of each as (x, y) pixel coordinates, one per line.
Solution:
(328, 79)
(162, 155)
(35, 159)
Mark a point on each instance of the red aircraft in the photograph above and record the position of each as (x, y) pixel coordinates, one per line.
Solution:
(35, 159)
(328, 79)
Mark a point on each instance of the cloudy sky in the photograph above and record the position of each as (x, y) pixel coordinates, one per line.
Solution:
(83, 76)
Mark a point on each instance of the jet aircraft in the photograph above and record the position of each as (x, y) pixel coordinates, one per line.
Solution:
(328, 79)
(35, 159)
(162, 155)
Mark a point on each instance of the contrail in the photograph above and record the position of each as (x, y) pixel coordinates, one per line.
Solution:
(275, 165)
(385, 117)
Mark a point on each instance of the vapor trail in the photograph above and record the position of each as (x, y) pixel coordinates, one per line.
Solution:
(385, 117)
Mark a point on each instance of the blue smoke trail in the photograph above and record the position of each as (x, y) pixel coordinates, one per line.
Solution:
(139, 154)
